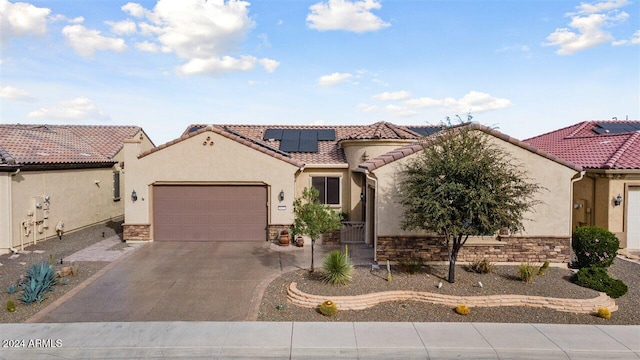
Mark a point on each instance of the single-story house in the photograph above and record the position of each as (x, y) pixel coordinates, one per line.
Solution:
(238, 183)
(63, 177)
(608, 195)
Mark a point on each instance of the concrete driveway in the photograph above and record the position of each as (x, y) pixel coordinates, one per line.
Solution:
(182, 281)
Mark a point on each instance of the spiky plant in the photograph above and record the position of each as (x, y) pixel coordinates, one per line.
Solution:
(526, 271)
(12, 289)
(543, 268)
(604, 313)
(328, 308)
(462, 310)
(40, 279)
(11, 307)
(337, 268)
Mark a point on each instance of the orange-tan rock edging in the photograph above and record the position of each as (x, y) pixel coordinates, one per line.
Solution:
(359, 302)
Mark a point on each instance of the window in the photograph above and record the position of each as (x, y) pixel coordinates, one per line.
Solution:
(116, 186)
(329, 189)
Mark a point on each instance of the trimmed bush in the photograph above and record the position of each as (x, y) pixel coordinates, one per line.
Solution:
(596, 278)
(328, 308)
(481, 266)
(594, 246)
(337, 268)
(526, 271)
(462, 310)
(604, 313)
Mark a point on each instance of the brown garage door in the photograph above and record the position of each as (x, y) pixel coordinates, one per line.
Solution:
(209, 213)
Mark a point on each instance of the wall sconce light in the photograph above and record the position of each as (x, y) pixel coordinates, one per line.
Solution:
(618, 200)
(362, 198)
(281, 195)
(134, 196)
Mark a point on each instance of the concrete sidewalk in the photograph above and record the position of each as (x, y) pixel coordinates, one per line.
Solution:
(287, 340)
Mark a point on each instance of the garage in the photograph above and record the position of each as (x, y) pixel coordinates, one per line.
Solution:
(210, 213)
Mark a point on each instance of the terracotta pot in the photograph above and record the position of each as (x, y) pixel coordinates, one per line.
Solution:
(299, 242)
(284, 240)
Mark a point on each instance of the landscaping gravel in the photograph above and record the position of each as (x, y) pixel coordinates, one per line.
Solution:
(554, 283)
(12, 269)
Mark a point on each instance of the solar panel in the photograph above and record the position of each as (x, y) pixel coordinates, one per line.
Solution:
(425, 131)
(195, 128)
(275, 134)
(308, 145)
(289, 145)
(309, 134)
(616, 128)
(326, 135)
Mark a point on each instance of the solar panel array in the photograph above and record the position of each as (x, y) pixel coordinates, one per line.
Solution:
(425, 131)
(616, 128)
(299, 140)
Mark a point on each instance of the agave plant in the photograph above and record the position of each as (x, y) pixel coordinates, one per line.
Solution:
(12, 289)
(40, 279)
(337, 268)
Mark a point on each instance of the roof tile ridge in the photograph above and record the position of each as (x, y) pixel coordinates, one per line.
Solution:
(552, 132)
(610, 164)
(579, 128)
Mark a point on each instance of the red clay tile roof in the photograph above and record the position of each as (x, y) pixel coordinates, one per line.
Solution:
(329, 152)
(581, 145)
(61, 144)
(407, 150)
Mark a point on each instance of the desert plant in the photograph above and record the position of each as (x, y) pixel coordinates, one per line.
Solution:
(594, 246)
(526, 271)
(12, 289)
(11, 307)
(604, 313)
(544, 268)
(40, 279)
(328, 308)
(411, 266)
(337, 268)
(462, 310)
(389, 277)
(481, 266)
(596, 278)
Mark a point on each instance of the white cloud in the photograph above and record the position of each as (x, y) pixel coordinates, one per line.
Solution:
(367, 108)
(11, 93)
(346, 15)
(586, 28)
(634, 40)
(19, 19)
(474, 102)
(400, 110)
(78, 109)
(60, 17)
(392, 96)
(225, 64)
(147, 46)
(204, 33)
(334, 79)
(85, 42)
(123, 27)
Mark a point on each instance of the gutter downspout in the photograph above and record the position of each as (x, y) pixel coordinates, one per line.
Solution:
(573, 181)
(10, 198)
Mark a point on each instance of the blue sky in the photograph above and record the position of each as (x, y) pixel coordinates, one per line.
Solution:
(525, 67)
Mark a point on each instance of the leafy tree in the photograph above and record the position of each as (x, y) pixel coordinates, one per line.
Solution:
(463, 184)
(313, 218)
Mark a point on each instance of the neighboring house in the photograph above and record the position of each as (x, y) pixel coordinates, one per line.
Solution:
(60, 174)
(608, 195)
(238, 183)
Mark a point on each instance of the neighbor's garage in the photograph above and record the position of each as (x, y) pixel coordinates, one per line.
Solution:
(210, 212)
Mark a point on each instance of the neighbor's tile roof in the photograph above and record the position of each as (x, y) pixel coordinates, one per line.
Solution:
(61, 144)
(580, 144)
(329, 152)
(409, 149)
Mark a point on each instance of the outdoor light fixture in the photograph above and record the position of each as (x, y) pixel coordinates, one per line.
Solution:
(618, 200)
(362, 196)
(134, 196)
(281, 195)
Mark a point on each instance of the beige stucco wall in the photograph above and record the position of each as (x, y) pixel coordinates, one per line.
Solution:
(195, 160)
(303, 180)
(5, 211)
(550, 218)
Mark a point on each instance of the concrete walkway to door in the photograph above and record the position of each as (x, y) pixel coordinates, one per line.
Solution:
(172, 281)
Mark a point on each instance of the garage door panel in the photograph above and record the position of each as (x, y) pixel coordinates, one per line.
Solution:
(210, 213)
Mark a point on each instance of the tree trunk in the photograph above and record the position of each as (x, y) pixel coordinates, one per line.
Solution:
(313, 241)
(452, 266)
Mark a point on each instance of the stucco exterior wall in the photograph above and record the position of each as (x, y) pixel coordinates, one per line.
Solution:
(550, 218)
(5, 212)
(206, 158)
(303, 180)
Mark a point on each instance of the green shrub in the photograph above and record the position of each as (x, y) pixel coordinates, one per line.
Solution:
(337, 268)
(11, 307)
(544, 268)
(462, 310)
(594, 246)
(481, 266)
(526, 271)
(40, 279)
(411, 266)
(596, 278)
(328, 308)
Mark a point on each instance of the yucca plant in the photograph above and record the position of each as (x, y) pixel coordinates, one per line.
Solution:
(526, 272)
(337, 268)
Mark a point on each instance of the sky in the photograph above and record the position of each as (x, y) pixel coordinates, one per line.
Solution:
(524, 67)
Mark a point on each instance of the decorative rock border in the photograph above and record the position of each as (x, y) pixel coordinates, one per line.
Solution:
(360, 302)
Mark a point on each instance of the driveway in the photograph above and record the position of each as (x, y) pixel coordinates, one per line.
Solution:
(171, 281)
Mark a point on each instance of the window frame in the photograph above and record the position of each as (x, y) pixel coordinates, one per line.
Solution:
(323, 200)
(116, 185)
